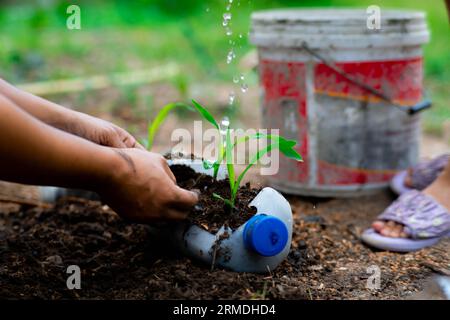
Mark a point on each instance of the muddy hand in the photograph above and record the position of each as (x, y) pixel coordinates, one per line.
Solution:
(144, 189)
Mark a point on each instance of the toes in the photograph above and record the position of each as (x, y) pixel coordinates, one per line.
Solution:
(389, 229)
(386, 232)
(378, 225)
(391, 224)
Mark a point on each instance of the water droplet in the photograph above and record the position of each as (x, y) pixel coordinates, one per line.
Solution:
(207, 9)
(230, 56)
(235, 79)
(230, 1)
(231, 98)
(242, 77)
(226, 121)
(244, 87)
(229, 32)
(228, 7)
(240, 35)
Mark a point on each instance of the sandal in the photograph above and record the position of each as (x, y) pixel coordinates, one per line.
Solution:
(422, 175)
(425, 222)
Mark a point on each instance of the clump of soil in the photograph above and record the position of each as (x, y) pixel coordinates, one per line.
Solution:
(212, 213)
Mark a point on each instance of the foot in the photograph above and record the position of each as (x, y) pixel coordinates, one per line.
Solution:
(439, 190)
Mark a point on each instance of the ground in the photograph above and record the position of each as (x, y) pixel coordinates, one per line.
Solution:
(119, 260)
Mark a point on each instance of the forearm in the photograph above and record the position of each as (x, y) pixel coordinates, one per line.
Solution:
(44, 110)
(35, 153)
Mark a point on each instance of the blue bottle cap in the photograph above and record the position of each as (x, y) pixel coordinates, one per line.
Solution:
(266, 235)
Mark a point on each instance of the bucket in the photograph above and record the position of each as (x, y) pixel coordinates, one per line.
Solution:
(348, 94)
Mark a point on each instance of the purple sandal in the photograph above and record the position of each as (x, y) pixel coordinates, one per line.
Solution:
(425, 221)
(422, 175)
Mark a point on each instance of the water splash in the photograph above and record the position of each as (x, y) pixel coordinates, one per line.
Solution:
(244, 88)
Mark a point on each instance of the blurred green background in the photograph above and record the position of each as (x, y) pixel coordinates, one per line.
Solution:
(120, 35)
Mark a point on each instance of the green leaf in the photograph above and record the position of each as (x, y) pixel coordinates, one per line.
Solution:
(285, 146)
(255, 159)
(209, 117)
(159, 119)
(228, 202)
(229, 159)
(205, 114)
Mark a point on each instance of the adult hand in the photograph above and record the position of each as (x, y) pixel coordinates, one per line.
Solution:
(99, 131)
(144, 189)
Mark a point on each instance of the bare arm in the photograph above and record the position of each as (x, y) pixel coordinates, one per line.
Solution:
(80, 124)
(136, 183)
(31, 150)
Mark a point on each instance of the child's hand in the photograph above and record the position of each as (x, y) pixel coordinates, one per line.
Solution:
(99, 131)
(143, 188)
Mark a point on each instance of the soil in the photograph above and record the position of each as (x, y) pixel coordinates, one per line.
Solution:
(119, 260)
(212, 213)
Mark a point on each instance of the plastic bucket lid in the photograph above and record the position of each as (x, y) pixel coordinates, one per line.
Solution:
(334, 28)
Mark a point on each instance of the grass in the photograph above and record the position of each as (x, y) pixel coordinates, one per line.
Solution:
(128, 35)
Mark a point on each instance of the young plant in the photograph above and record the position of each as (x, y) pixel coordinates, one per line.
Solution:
(225, 148)
(286, 147)
(164, 113)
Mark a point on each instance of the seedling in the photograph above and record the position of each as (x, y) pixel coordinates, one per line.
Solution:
(286, 147)
(225, 148)
(164, 113)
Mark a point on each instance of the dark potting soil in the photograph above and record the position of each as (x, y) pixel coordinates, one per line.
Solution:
(212, 213)
(119, 260)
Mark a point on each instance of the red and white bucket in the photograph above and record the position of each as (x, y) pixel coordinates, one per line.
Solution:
(341, 90)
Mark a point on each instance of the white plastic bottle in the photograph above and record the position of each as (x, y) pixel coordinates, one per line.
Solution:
(259, 245)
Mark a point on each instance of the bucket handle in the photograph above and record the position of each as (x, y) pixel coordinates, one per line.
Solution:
(411, 110)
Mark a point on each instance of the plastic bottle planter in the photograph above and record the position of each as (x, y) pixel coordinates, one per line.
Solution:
(259, 245)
